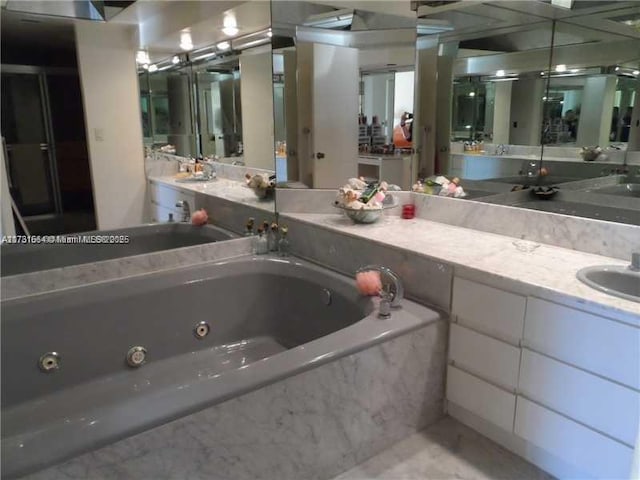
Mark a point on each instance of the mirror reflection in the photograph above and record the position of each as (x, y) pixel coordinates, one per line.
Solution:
(167, 110)
(346, 80)
(219, 108)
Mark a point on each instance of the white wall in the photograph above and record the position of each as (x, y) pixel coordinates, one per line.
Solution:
(594, 124)
(502, 112)
(257, 109)
(526, 111)
(106, 62)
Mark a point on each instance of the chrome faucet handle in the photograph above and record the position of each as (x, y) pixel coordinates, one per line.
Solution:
(395, 296)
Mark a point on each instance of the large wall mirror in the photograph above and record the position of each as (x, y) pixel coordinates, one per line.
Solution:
(343, 82)
(166, 103)
(537, 107)
(213, 103)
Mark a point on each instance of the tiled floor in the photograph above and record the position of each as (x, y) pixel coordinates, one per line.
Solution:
(446, 450)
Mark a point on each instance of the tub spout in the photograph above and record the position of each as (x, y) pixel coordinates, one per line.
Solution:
(393, 297)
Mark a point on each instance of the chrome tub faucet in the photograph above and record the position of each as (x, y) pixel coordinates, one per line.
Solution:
(393, 294)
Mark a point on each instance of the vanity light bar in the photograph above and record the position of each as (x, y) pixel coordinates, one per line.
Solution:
(252, 40)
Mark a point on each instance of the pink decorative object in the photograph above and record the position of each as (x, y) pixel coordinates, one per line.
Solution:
(199, 217)
(379, 197)
(369, 283)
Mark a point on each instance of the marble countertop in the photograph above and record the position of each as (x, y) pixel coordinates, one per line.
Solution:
(546, 158)
(547, 271)
(232, 190)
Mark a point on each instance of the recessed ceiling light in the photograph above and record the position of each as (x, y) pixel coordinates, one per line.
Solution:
(500, 73)
(175, 59)
(574, 70)
(153, 68)
(186, 43)
(542, 73)
(561, 68)
(467, 126)
(230, 31)
(472, 94)
(223, 46)
(230, 26)
(617, 69)
(636, 72)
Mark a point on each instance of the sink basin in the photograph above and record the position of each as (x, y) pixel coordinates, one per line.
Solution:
(623, 189)
(614, 280)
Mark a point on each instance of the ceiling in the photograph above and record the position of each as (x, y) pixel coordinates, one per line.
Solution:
(494, 26)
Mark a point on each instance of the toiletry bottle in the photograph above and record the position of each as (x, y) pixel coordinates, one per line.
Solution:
(262, 246)
(369, 192)
(249, 228)
(273, 237)
(283, 244)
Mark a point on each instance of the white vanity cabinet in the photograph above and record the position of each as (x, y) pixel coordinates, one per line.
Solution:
(556, 385)
(484, 351)
(163, 199)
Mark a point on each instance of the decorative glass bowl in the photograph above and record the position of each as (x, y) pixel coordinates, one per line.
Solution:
(364, 215)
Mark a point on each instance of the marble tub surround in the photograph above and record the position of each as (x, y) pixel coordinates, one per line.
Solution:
(446, 449)
(310, 426)
(317, 200)
(313, 237)
(77, 275)
(233, 215)
(615, 240)
(542, 270)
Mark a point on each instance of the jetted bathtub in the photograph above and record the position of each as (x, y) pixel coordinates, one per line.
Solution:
(25, 258)
(211, 334)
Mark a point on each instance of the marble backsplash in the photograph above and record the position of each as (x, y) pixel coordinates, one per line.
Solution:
(588, 235)
(313, 425)
(164, 164)
(425, 280)
(77, 275)
(609, 239)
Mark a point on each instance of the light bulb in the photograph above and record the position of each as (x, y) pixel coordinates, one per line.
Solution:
(561, 68)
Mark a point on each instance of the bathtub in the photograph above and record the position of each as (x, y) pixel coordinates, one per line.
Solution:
(284, 336)
(26, 258)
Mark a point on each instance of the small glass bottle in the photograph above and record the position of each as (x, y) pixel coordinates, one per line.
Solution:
(283, 245)
(262, 247)
(273, 237)
(249, 227)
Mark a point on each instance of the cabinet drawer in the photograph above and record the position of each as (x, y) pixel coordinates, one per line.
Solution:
(598, 403)
(488, 358)
(485, 400)
(489, 309)
(168, 197)
(595, 343)
(580, 446)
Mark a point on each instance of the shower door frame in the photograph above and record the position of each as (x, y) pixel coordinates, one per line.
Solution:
(49, 146)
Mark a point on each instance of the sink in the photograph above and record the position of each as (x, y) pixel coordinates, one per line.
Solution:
(614, 280)
(623, 189)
